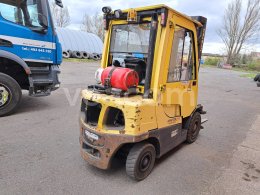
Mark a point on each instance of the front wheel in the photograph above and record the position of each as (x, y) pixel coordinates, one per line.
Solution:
(10, 94)
(140, 161)
(194, 127)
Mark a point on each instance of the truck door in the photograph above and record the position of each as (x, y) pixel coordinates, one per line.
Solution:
(180, 73)
(22, 28)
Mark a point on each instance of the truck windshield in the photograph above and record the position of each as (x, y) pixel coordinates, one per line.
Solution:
(24, 12)
(130, 38)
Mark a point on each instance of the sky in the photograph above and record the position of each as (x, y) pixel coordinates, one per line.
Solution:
(212, 10)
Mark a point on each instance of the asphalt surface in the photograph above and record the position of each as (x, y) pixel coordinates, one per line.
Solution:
(39, 147)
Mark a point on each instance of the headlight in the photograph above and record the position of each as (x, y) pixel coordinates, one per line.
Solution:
(106, 10)
(118, 13)
(91, 135)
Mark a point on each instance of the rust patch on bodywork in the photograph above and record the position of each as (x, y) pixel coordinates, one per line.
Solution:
(100, 152)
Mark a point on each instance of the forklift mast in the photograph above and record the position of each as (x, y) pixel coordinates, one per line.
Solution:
(200, 33)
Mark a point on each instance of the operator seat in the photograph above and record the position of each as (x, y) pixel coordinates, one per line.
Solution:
(139, 66)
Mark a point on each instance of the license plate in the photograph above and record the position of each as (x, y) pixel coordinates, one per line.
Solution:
(91, 135)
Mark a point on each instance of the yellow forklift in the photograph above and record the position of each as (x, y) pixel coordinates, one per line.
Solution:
(145, 101)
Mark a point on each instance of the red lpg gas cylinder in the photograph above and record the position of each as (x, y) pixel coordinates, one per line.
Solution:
(120, 78)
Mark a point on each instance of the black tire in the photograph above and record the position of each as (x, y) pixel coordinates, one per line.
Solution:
(65, 54)
(14, 94)
(85, 55)
(140, 161)
(93, 57)
(258, 84)
(70, 53)
(77, 54)
(194, 126)
(257, 77)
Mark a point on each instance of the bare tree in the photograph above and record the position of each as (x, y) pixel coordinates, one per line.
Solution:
(61, 16)
(93, 24)
(87, 24)
(236, 32)
(99, 25)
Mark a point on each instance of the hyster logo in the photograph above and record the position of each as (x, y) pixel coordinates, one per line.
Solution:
(174, 133)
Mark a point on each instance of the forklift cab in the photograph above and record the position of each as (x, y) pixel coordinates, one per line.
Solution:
(157, 42)
(160, 111)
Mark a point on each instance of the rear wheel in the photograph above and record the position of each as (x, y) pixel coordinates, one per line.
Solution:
(194, 127)
(10, 94)
(140, 161)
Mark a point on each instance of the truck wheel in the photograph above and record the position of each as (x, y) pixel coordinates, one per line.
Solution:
(194, 127)
(140, 161)
(10, 94)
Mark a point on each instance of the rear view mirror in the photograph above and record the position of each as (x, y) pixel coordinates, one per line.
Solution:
(59, 3)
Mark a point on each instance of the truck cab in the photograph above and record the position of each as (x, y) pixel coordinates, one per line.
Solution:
(159, 109)
(30, 52)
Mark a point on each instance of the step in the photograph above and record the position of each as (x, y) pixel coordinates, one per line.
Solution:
(40, 70)
(42, 82)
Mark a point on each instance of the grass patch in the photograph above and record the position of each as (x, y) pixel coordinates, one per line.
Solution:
(208, 65)
(245, 72)
(78, 60)
(253, 66)
(212, 61)
(248, 75)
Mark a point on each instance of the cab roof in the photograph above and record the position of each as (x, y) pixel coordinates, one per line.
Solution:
(160, 6)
